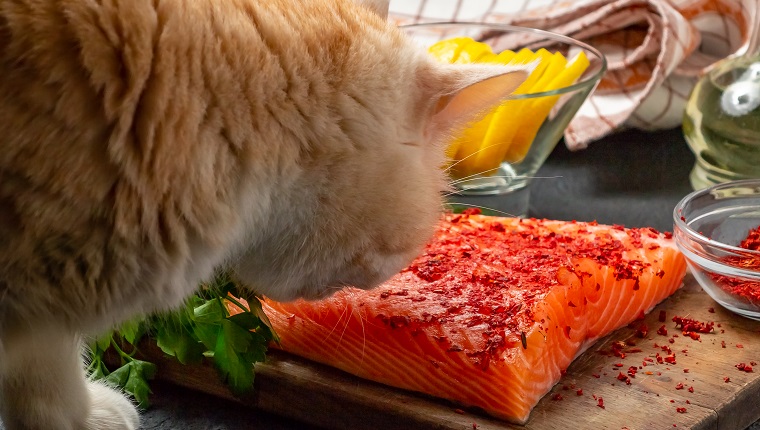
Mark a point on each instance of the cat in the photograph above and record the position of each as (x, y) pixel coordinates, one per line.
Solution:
(147, 142)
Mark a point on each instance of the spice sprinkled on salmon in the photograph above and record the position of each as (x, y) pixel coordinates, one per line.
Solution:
(492, 312)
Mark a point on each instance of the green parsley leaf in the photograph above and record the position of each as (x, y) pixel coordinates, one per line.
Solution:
(133, 377)
(202, 328)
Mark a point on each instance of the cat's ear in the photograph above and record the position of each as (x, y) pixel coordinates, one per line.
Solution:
(380, 7)
(463, 93)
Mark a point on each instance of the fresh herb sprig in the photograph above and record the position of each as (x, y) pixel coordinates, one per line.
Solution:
(220, 322)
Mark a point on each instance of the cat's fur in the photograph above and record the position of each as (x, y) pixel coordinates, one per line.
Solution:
(145, 142)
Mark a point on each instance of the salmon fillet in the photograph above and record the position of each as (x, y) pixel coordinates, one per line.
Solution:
(492, 312)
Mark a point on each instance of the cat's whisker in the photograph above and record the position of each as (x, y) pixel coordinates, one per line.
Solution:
(472, 177)
(337, 323)
(471, 155)
(484, 207)
(348, 321)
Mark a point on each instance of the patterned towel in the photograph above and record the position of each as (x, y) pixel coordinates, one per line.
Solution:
(656, 49)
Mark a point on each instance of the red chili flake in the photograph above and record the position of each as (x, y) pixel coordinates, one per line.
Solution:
(662, 331)
(711, 310)
(688, 402)
(671, 359)
(691, 389)
(617, 349)
(753, 363)
(632, 371)
(642, 331)
(459, 411)
(671, 340)
(681, 410)
(689, 325)
(686, 371)
(579, 392)
(726, 379)
(624, 378)
(744, 367)
(739, 345)
(597, 376)
(752, 241)
(679, 386)
(618, 364)
(557, 397)
(600, 402)
(723, 343)
(672, 401)
(475, 426)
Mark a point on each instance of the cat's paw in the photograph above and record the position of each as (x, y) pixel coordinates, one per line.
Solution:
(110, 410)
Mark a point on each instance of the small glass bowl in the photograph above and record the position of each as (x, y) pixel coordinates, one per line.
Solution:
(504, 185)
(709, 227)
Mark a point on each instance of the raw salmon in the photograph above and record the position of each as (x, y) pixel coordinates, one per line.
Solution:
(492, 312)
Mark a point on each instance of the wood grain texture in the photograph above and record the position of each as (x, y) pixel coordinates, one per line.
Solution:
(326, 397)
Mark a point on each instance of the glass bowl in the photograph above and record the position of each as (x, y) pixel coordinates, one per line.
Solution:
(485, 178)
(712, 229)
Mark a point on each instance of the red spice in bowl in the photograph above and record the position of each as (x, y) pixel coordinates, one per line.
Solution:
(718, 231)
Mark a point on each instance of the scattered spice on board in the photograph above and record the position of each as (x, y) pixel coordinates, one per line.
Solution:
(689, 325)
(744, 367)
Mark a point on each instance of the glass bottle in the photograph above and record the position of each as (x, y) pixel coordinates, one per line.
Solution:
(722, 123)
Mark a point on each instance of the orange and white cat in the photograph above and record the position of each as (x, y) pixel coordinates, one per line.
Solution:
(146, 142)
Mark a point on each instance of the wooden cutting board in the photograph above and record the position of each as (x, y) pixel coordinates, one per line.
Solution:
(723, 397)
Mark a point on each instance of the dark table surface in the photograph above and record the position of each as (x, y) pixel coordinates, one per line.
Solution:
(631, 178)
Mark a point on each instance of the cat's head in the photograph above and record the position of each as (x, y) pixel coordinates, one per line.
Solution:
(367, 196)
